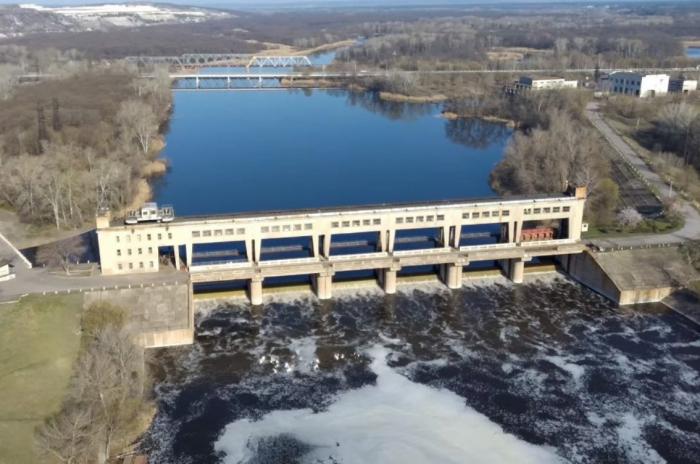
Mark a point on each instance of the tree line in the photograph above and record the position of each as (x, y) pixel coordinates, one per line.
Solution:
(73, 144)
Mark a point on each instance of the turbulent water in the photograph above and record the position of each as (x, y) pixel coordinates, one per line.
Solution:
(537, 373)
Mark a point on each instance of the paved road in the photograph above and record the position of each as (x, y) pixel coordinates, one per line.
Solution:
(691, 228)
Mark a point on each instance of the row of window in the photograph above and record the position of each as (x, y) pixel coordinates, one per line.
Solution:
(139, 237)
(412, 219)
(286, 228)
(627, 82)
(486, 214)
(138, 251)
(141, 264)
(625, 90)
(546, 210)
(217, 232)
(356, 223)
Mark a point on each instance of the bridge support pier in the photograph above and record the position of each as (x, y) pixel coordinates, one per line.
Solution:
(452, 275)
(323, 284)
(255, 290)
(389, 281)
(516, 270)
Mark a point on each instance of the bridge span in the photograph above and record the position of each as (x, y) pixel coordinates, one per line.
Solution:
(132, 249)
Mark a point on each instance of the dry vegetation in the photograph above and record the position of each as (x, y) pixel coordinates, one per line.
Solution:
(78, 141)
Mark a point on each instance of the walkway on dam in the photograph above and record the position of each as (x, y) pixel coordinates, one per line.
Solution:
(691, 227)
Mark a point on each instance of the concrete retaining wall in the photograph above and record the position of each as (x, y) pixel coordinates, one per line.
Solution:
(584, 268)
(163, 315)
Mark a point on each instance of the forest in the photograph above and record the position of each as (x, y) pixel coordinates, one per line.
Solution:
(83, 140)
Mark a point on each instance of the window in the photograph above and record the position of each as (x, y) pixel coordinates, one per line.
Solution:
(430, 218)
(537, 211)
(566, 209)
(465, 215)
(440, 217)
(240, 231)
(308, 226)
(228, 231)
(409, 220)
(140, 251)
(218, 233)
(505, 213)
(117, 238)
(475, 215)
(196, 233)
(275, 228)
(547, 210)
(485, 214)
(297, 226)
(527, 211)
(265, 229)
(494, 213)
(150, 250)
(335, 224)
(138, 237)
(376, 222)
(151, 265)
(366, 222)
(128, 252)
(356, 222)
(346, 223)
(148, 236)
(120, 266)
(119, 252)
(399, 220)
(206, 233)
(131, 265)
(141, 265)
(556, 209)
(286, 227)
(160, 236)
(170, 235)
(419, 219)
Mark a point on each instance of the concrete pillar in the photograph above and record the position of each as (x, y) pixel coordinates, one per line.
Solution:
(456, 236)
(257, 250)
(314, 245)
(249, 250)
(196, 81)
(452, 275)
(188, 254)
(324, 286)
(511, 232)
(389, 281)
(518, 228)
(391, 237)
(517, 270)
(327, 245)
(256, 291)
(176, 252)
(445, 236)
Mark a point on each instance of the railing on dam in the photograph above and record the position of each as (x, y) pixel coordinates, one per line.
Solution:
(326, 232)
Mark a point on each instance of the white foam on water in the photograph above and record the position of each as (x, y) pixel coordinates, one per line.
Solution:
(305, 350)
(574, 370)
(630, 439)
(394, 421)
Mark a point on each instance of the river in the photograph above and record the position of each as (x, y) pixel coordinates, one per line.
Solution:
(492, 373)
(693, 52)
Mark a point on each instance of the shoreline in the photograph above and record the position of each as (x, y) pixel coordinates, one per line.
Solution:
(451, 116)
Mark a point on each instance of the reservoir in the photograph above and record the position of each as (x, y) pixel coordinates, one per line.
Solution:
(236, 151)
(693, 52)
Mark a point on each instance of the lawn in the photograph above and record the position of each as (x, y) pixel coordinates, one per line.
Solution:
(39, 341)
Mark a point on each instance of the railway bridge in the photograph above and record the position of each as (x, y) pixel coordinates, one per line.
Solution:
(512, 238)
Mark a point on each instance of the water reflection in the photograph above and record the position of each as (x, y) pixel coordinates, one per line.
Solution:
(391, 109)
(475, 133)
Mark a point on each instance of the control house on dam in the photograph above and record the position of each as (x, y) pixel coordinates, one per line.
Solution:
(329, 243)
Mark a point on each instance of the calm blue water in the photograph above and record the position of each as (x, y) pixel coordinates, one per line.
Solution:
(693, 52)
(263, 150)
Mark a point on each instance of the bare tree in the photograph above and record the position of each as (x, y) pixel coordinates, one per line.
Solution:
(67, 436)
(629, 217)
(137, 122)
(62, 253)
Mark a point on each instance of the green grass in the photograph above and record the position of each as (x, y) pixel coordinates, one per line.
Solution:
(40, 339)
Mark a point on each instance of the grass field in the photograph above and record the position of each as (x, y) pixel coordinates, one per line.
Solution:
(39, 341)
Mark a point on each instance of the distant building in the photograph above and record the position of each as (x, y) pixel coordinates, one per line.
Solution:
(544, 83)
(682, 85)
(638, 85)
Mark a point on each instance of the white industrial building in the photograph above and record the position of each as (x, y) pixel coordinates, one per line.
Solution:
(638, 85)
(682, 85)
(544, 83)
